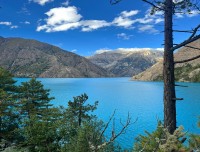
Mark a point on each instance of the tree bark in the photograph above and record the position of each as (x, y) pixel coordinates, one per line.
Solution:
(168, 71)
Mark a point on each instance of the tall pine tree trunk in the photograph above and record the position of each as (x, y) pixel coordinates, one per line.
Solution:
(168, 71)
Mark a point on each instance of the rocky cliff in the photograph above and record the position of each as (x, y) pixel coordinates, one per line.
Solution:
(126, 63)
(189, 71)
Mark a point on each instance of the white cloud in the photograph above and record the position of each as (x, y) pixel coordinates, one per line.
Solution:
(148, 28)
(159, 49)
(123, 22)
(154, 19)
(179, 15)
(126, 50)
(144, 20)
(26, 22)
(100, 51)
(14, 27)
(57, 28)
(144, 23)
(193, 13)
(130, 13)
(66, 3)
(6, 23)
(177, 1)
(124, 36)
(124, 19)
(186, 14)
(43, 27)
(64, 27)
(158, 20)
(61, 19)
(9, 24)
(183, 14)
(74, 50)
(66, 18)
(63, 15)
(41, 2)
(90, 25)
(133, 49)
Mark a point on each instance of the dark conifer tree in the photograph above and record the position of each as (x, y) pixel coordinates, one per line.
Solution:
(34, 98)
(79, 110)
(9, 118)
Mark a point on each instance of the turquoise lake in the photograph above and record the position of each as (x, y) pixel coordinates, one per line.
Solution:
(143, 101)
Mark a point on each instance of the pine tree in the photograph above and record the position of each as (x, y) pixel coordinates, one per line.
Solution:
(6, 81)
(39, 122)
(9, 117)
(43, 133)
(34, 98)
(79, 111)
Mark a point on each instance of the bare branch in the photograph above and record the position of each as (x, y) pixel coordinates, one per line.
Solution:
(178, 85)
(194, 31)
(192, 38)
(177, 99)
(192, 47)
(114, 136)
(197, 7)
(128, 121)
(152, 4)
(187, 60)
(183, 31)
(107, 124)
(113, 2)
(185, 42)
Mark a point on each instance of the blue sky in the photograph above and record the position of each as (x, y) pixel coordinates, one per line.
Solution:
(87, 26)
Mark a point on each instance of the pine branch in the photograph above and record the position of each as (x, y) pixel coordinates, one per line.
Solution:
(113, 2)
(177, 99)
(152, 4)
(192, 38)
(187, 60)
(185, 42)
(183, 31)
(178, 85)
(192, 47)
(194, 31)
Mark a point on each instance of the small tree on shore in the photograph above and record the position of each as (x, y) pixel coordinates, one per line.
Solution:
(79, 110)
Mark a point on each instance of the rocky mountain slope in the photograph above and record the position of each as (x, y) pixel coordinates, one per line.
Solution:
(189, 71)
(30, 58)
(126, 63)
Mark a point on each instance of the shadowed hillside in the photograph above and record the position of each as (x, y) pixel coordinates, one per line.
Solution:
(30, 58)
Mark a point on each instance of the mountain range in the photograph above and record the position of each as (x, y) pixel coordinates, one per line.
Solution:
(31, 58)
(123, 63)
(187, 72)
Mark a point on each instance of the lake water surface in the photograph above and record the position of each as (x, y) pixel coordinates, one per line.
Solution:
(143, 100)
